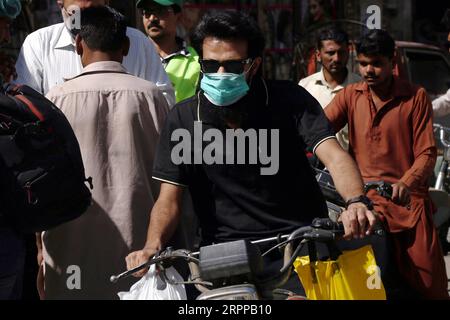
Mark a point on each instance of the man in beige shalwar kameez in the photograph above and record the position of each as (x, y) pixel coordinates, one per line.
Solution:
(116, 118)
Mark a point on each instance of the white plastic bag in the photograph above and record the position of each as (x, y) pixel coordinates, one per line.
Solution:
(152, 287)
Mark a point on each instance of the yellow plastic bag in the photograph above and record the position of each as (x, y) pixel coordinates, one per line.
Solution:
(353, 276)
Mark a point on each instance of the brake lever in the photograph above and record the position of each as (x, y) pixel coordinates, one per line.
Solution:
(125, 274)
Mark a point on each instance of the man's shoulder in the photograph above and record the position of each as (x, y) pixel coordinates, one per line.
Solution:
(140, 46)
(57, 91)
(414, 88)
(184, 112)
(133, 33)
(285, 89)
(356, 86)
(276, 84)
(406, 88)
(287, 96)
(102, 82)
(138, 84)
(46, 34)
(309, 80)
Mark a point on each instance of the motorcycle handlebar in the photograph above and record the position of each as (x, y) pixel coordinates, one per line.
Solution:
(163, 256)
(322, 230)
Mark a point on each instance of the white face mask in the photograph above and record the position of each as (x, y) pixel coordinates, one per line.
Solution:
(72, 19)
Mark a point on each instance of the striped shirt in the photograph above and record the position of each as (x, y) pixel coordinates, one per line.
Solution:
(48, 57)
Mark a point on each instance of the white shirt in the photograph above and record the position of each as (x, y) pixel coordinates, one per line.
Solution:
(319, 88)
(48, 57)
(441, 105)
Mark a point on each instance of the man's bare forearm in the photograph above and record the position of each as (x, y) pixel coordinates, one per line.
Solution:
(346, 177)
(357, 219)
(343, 169)
(163, 223)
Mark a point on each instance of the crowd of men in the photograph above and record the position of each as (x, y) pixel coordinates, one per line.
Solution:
(127, 95)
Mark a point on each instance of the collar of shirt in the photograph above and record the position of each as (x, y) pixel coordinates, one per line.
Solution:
(351, 78)
(102, 66)
(182, 52)
(65, 38)
(400, 88)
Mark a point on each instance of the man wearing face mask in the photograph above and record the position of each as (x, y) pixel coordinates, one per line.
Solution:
(48, 55)
(12, 244)
(239, 200)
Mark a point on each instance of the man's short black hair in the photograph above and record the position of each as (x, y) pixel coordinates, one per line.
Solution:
(376, 42)
(335, 34)
(230, 25)
(103, 28)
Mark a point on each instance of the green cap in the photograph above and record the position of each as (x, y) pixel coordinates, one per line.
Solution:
(140, 3)
(10, 8)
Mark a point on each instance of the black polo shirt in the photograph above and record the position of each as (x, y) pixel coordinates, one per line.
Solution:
(235, 201)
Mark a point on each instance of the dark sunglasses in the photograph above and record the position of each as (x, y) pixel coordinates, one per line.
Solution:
(160, 11)
(231, 66)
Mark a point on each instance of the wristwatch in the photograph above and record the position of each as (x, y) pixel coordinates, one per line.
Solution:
(361, 199)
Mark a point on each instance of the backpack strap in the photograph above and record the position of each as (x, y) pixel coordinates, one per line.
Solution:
(30, 106)
(17, 93)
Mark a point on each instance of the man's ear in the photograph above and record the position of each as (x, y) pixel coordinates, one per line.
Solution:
(393, 60)
(256, 65)
(79, 45)
(318, 56)
(126, 47)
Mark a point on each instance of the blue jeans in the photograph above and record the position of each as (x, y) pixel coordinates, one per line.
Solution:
(12, 260)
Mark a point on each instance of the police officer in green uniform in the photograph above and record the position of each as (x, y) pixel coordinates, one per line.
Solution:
(160, 18)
